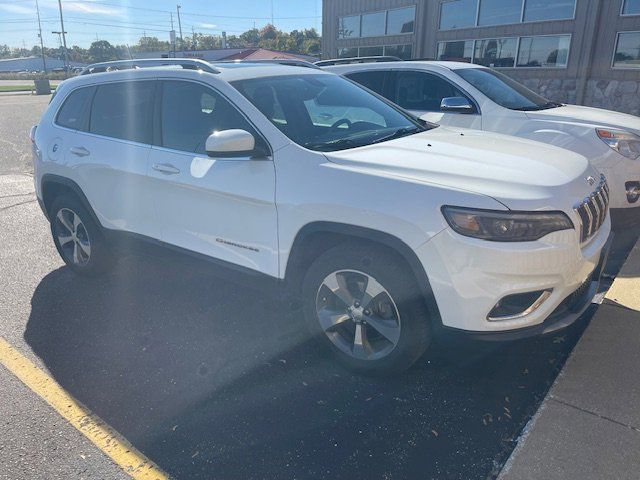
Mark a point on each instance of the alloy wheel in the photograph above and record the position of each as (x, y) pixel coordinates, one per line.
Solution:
(72, 237)
(358, 314)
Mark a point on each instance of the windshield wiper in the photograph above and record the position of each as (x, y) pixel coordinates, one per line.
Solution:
(401, 132)
(332, 145)
(535, 108)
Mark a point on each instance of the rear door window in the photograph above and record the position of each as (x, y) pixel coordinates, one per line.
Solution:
(372, 80)
(74, 112)
(124, 110)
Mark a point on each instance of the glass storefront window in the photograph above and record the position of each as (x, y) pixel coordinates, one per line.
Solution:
(544, 51)
(627, 50)
(496, 52)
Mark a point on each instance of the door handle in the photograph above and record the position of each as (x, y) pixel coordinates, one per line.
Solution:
(166, 168)
(79, 151)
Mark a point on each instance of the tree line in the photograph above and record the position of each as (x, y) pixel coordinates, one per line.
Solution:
(305, 41)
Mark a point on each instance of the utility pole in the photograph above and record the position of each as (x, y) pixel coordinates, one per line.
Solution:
(44, 61)
(193, 38)
(64, 38)
(271, 12)
(180, 29)
(172, 37)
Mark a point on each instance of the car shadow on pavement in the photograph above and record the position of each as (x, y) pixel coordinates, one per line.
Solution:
(211, 379)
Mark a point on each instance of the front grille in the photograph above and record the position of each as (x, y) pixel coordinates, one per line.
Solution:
(593, 210)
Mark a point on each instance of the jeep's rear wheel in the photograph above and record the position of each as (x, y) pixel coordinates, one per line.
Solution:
(78, 238)
(363, 303)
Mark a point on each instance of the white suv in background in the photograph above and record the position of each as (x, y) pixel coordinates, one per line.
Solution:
(472, 96)
(386, 228)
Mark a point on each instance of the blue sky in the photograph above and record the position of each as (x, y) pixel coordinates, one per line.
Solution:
(125, 21)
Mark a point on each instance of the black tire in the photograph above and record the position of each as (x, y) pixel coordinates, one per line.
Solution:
(100, 257)
(395, 277)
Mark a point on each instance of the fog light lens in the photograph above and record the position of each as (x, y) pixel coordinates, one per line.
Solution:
(633, 191)
(513, 307)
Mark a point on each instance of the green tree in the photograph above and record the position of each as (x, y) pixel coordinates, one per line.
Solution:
(102, 51)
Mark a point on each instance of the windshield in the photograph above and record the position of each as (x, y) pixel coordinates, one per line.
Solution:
(327, 112)
(505, 91)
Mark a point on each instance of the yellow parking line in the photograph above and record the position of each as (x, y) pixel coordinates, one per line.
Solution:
(90, 425)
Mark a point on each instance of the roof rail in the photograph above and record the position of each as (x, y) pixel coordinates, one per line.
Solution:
(185, 63)
(292, 62)
(346, 61)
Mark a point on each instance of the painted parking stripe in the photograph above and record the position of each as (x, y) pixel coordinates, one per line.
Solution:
(110, 442)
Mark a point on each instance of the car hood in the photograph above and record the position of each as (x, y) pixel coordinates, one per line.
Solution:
(519, 173)
(592, 117)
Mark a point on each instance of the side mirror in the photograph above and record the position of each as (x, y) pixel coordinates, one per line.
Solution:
(230, 143)
(456, 104)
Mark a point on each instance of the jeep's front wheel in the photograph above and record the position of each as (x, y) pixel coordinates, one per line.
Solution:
(78, 238)
(364, 304)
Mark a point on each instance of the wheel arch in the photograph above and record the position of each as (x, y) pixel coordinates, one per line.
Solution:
(53, 186)
(317, 237)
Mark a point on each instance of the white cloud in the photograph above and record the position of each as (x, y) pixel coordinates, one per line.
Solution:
(210, 26)
(75, 6)
(19, 9)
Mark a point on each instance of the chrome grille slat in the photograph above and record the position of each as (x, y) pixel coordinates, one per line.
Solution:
(593, 210)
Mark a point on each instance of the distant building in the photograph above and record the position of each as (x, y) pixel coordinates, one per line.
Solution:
(576, 51)
(223, 54)
(33, 64)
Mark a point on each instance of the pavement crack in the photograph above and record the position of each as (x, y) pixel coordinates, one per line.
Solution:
(584, 410)
(17, 195)
(16, 205)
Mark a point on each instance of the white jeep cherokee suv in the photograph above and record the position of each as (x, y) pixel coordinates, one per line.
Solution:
(472, 96)
(385, 228)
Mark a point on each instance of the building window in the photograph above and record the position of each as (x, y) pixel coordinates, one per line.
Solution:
(401, 20)
(373, 24)
(475, 13)
(538, 10)
(349, 27)
(401, 51)
(456, 51)
(544, 51)
(376, 51)
(631, 7)
(348, 52)
(496, 52)
(499, 12)
(458, 14)
(627, 53)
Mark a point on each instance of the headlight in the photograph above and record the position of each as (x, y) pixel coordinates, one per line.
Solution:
(505, 226)
(625, 143)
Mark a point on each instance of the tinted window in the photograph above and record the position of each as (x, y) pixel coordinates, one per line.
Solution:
(372, 80)
(458, 14)
(400, 20)
(456, 51)
(422, 91)
(191, 112)
(536, 10)
(75, 108)
(349, 27)
(498, 12)
(326, 112)
(496, 52)
(373, 24)
(627, 50)
(631, 7)
(348, 52)
(504, 90)
(124, 110)
(371, 51)
(402, 51)
(544, 51)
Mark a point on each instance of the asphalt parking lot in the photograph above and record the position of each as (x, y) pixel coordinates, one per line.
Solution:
(212, 379)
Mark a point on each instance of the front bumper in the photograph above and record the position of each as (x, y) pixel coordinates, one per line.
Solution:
(468, 277)
(565, 314)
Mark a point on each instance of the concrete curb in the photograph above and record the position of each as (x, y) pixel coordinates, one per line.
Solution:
(588, 425)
